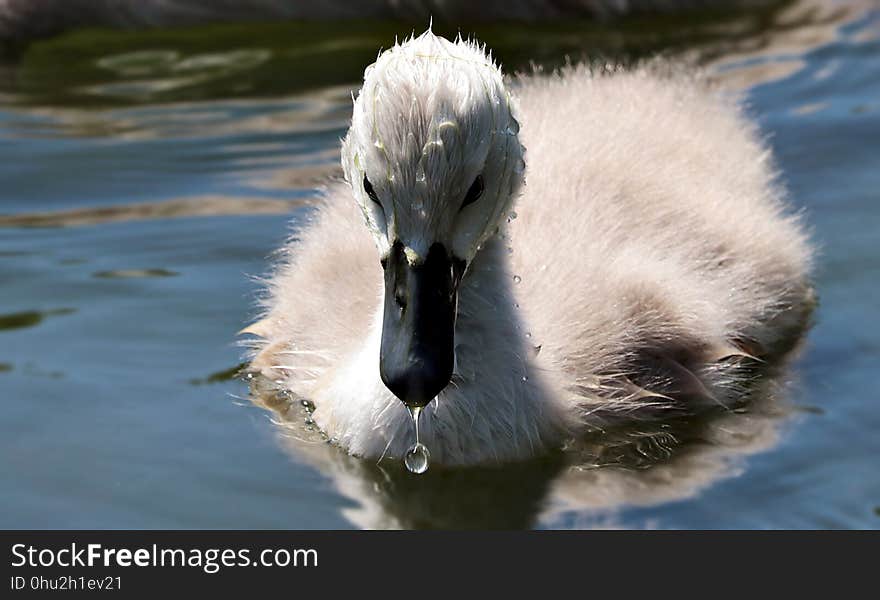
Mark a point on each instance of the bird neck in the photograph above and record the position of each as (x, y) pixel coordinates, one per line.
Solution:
(489, 327)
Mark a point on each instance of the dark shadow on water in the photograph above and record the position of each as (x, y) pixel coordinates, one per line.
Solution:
(478, 498)
(220, 376)
(30, 318)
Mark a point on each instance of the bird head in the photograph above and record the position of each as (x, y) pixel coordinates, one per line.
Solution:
(434, 160)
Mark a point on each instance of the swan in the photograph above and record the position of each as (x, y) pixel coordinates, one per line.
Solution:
(529, 261)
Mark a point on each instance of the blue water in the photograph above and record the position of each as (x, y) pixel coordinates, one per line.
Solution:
(112, 325)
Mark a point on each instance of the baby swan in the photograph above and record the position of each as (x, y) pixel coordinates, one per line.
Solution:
(650, 260)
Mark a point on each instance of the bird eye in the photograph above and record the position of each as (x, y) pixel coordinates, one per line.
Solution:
(368, 188)
(474, 192)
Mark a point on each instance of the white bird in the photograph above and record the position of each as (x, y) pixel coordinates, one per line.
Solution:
(651, 269)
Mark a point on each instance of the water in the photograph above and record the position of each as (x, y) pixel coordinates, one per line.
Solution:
(146, 177)
(417, 458)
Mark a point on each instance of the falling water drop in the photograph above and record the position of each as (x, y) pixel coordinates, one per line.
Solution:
(417, 458)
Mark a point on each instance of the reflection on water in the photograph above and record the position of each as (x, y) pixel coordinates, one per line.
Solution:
(107, 68)
(127, 273)
(165, 209)
(146, 177)
(151, 86)
(149, 73)
(587, 485)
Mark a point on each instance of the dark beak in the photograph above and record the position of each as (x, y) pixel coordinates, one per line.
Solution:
(418, 328)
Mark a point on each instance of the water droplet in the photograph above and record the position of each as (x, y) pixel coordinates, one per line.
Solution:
(525, 379)
(512, 215)
(310, 421)
(537, 349)
(417, 459)
(528, 333)
(517, 278)
(307, 405)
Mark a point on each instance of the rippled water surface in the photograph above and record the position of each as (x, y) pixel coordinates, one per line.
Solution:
(146, 176)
